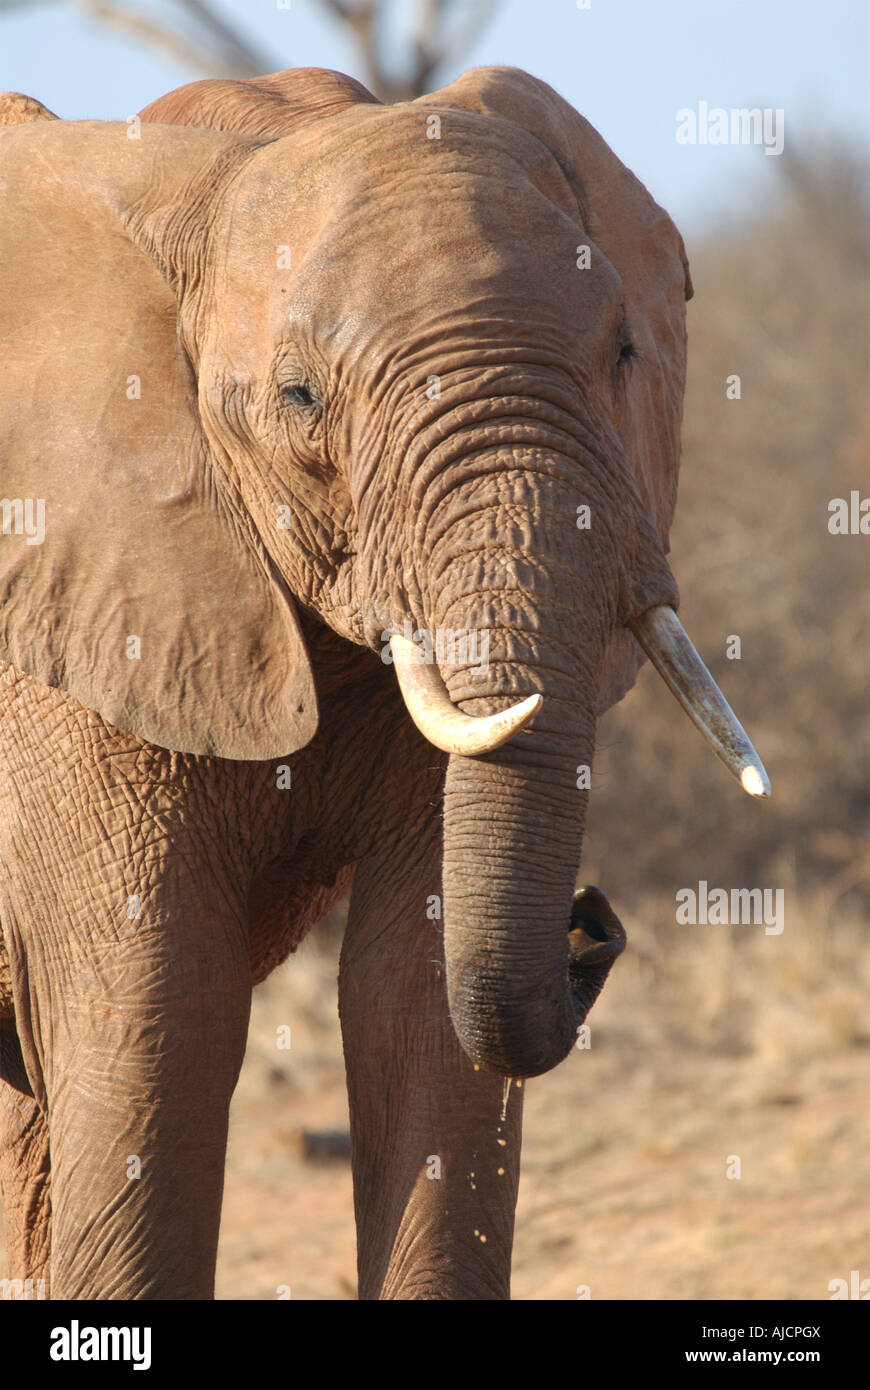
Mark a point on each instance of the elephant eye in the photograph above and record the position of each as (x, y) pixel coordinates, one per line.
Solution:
(627, 352)
(298, 395)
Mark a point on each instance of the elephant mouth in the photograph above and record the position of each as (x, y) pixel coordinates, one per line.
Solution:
(595, 938)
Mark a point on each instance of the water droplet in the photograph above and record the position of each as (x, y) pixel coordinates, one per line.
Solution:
(504, 1097)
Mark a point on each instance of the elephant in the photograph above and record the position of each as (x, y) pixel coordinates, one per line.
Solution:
(340, 446)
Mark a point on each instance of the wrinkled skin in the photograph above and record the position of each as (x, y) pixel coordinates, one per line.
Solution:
(433, 386)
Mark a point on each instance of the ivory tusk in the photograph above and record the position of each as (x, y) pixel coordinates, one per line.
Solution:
(438, 719)
(666, 643)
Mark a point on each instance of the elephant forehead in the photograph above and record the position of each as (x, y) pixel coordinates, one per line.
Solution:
(371, 184)
(374, 146)
(390, 244)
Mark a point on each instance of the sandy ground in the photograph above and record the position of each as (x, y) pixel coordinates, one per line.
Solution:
(627, 1145)
(623, 1189)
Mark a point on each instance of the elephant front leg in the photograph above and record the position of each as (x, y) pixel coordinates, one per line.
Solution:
(25, 1177)
(435, 1149)
(135, 1045)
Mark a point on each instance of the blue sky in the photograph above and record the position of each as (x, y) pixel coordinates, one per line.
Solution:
(628, 65)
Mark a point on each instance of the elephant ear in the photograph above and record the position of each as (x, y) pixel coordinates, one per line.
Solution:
(639, 239)
(126, 578)
(273, 105)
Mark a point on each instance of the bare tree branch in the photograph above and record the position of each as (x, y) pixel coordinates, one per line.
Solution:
(238, 51)
(206, 42)
(198, 37)
(341, 9)
(435, 42)
(464, 37)
(164, 38)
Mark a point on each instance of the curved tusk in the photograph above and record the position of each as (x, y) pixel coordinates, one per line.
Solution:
(436, 716)
(666, 643)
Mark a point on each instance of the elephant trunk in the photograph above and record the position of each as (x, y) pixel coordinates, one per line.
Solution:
(525, 956)
(520, 603)
(522, 965)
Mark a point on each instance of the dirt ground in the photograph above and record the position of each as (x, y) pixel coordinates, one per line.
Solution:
(758, 1050)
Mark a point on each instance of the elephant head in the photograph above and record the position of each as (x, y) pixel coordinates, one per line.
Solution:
(416, 370)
